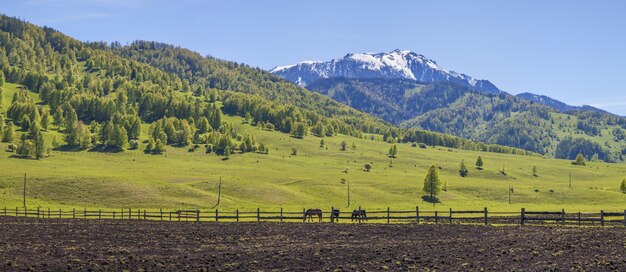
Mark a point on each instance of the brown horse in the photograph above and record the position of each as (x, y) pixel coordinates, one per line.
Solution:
(312, 212)
(358, 215)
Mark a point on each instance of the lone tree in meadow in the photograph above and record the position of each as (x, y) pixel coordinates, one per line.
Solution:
(343, 145)
(393, 151)
(479, 163)
(535, 171)
(580, 160)
(623, 186)
(463, 170)
(432, 182)
(294, 151)
(367, 167)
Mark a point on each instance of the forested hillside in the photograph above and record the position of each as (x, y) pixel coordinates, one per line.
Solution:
(499, 119)
(68, 95)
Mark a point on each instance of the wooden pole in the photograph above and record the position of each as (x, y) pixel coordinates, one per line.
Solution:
(85, 213)
(258, 215)
(625, 218)
(216, 215)
(562, 216)
(436, 218)
(281, 214)
(100, 214)
(73, 213)
(578, 218)
(197, 215)
(602, 217)
(237, 214)
(24, 190)
(48, 212)
(570, 180)
(522, 215)
(60, 211)
(486, 222)
(417, 214)
(161, 213)
(37, 212)
(450, 215)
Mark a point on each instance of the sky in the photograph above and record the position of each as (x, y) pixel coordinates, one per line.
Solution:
(573, 51)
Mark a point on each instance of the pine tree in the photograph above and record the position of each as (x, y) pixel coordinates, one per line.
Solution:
(463, 169)
(353, 146)
(622, 187)
(1, 95)
(45, 120)
(343, 145)
(322, 143)
(393, 151)
(294, 151)
(25, 149)
(432, 182)
(8, 134)
(227, 152)
(40, 149)
(25, 123)
(150, 146)
(535, 171)
(367, 167)
(1, 80)
(503, 170)
(580, 160)
(479, 163)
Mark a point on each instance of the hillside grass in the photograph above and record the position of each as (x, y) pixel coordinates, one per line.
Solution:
(312, 178)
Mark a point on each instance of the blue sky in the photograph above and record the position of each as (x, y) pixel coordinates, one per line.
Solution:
(571, 50)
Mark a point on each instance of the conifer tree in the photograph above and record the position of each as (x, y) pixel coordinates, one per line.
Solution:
(227, 152)
(580, 160)
(479, 163)
(432, 182)
(393, 151)
(343, 145)
(45, 120)
(463, 169)
(294, 151)
(535, 171)
(622, 187)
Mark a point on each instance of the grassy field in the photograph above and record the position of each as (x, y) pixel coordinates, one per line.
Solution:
(312, 178)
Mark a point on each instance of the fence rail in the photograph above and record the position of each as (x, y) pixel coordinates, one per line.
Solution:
(523, 217)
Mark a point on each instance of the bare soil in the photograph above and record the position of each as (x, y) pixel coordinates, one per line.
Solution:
(77, 244)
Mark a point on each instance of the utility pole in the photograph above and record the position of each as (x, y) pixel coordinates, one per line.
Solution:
(348, 181)
(570, 180)
(219, 192)
(24, 190)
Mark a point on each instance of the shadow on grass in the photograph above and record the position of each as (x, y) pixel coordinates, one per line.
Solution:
(428, 199)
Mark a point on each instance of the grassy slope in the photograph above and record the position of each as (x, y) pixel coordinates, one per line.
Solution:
(310, 179)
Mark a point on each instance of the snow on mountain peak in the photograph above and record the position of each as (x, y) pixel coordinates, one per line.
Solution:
(397, 64)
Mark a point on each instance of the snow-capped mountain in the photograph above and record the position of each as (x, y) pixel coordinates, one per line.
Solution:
(397, 64)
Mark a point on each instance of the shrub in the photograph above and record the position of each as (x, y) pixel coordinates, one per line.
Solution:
(367, 167)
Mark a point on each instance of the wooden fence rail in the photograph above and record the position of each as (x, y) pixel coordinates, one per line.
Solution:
(418, 216)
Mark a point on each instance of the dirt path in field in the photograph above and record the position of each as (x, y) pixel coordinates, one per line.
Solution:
(53, 244)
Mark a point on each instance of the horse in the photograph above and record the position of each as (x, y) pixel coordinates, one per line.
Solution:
(358, 215)
(334, 215)
(312, 212)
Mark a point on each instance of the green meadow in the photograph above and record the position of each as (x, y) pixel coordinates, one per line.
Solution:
(315, 177)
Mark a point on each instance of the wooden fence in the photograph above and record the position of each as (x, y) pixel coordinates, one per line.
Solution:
(523, 217)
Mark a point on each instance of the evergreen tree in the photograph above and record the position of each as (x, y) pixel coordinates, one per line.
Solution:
(479, 163)
(294, 151)
(25, 123)
(45, 120)
(119, 138)
(26, 148)
(622, 187)
(503, 170)
(367, 167)
(432, 182)
(55, 142)
(227, 152)
(535, 171)
(58, 119)
(299, 130)
(322, 143)
(40, 149)
(9, 133)
(1, 80)
(159, 147)
(343, 145)
(150, 146)
(353, 146)
(580, 160)
(1, 95)
(393, 151)
(463, 169)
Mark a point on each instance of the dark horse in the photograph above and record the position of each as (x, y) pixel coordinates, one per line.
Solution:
(312, 212)
(334, 215)
(359, 214)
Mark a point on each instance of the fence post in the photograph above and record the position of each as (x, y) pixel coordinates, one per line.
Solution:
(113, 214)
(237, 214)
(522, 215)
(281, 214)
(16, 211)
(161, 213)
(562, 216)
(624, 218)
(602, 217)
(60, 210)
(85, 213)
(417, 214)
(578, 218)
(48, 212)
(450, 215)
(436, 218)
(360, 216)
(198, 215)
(5, 210)
(37, 212)
(216, 215)
(332, 219)
(387, 215)
(170, 216)
(258, 215)
(138, 214)
(129, 214)
(486, 222)
(73, 213)
(100, 214)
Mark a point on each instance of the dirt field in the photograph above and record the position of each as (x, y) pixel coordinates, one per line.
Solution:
(53, 244)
